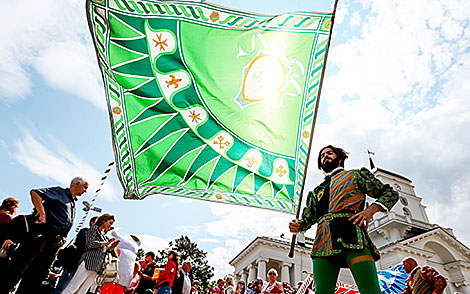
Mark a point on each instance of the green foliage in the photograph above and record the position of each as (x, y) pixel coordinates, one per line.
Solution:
(140, 254)
(188, 251)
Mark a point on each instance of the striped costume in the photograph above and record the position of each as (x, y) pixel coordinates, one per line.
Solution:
(334, 201)
(425, 280)
(338, 242)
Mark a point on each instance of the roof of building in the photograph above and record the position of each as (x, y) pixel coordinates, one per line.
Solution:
(392, 174)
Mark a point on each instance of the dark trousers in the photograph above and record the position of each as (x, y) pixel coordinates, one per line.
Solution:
(30, 264)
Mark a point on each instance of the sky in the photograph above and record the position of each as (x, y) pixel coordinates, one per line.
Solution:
(396, 83)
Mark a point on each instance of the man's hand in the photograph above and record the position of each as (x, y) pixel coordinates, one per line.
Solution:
(41, 219)
(6, 245)
(363, 217)
(294, 226)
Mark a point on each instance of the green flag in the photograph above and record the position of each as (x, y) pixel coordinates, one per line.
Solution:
(208, 102)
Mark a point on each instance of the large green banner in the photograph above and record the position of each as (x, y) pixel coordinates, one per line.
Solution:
(208, 102)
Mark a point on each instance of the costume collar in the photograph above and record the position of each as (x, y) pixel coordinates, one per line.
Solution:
(415, 269)
(336, 170)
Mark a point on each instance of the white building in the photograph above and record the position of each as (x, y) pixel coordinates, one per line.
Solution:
(404, 231)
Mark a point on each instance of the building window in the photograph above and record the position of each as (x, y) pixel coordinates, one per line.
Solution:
(406, 211)
(404, 201)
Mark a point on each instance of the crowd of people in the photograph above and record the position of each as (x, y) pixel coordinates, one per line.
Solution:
(30, 244)
(35, 259)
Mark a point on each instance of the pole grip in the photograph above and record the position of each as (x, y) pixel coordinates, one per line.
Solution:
(292, 246)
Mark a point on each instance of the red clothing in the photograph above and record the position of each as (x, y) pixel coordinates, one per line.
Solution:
(168, 275)
(112, 288)
(272, 289)
(425, 280)
(5, 218)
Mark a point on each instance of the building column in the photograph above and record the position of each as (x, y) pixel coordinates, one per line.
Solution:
(285, 275)
(465, 288)
(244, 276)
(297, 274)
(262, 268)
(251, 272)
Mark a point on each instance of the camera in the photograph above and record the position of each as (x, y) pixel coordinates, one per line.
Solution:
(8, 253)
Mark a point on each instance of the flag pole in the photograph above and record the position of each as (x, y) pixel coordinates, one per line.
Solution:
(294, 236)
(103, 179)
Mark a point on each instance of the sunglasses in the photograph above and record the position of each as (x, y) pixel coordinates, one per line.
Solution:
(272, 274)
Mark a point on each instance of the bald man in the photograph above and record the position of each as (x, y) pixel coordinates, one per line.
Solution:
(422, 280)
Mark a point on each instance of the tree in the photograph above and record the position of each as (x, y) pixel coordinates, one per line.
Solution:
(188, 251)
(140, 254)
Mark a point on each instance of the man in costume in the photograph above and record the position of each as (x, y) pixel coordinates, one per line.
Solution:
(337, 206)
(422, 280)
(54, 209)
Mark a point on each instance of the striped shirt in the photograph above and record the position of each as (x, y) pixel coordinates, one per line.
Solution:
(94, 255)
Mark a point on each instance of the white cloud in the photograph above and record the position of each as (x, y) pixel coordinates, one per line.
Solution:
(242, 222)
(188, 229)
(153, 243)
(52, 38)
(238, 226)
(208, 240)
(355, 19)
(63, 65)
(53, 161)
(401, 90)
(220, 257)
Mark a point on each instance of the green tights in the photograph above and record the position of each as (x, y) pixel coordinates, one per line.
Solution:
(362, 266)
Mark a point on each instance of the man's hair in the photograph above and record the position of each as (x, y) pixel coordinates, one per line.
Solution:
(93, 220)
(78, 180)
(340, 153)
(151, 254)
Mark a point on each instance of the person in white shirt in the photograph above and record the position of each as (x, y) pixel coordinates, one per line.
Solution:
(186, 281)
(229, 285)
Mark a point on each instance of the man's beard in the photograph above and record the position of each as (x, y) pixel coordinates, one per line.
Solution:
(329, 166)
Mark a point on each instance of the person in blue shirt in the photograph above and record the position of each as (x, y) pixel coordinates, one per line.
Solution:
(54, 211)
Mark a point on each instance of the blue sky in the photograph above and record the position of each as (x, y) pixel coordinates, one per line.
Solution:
(396, 83)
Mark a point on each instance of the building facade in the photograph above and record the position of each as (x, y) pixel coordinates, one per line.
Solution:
(404, 231)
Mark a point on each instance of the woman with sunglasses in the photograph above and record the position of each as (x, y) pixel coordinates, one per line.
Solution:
(240, 287)
(229, 285)
(273, 286)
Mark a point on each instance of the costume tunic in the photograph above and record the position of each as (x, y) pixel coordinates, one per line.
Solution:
(334, 201)
(425, 280)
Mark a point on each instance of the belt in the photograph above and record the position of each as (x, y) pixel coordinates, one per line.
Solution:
(331, 215)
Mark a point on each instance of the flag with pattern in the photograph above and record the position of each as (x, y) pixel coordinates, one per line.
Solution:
(208, 102)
